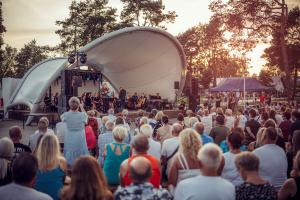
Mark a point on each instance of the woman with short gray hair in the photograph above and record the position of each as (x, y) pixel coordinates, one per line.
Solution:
(75, 143)
(259, 189)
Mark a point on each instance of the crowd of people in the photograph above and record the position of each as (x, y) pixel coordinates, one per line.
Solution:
(250, 153)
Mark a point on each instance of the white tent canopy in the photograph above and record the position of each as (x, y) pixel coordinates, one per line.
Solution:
(139, 59)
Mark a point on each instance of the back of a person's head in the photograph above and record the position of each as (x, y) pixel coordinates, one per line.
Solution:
(270, 123)
(159, 115)
(235, 139)
(165, 119)
(109, 125)
(270, 134)
(119, 121)
(91, 113)
(192, 121)
(111, 111)
(48, 152)
(199, 127)
(87, 181)
(140, 113)
(210, 155)
(228, 112)
(180, 117)
(140, 170)
(74, 103)
(176, 129)
(247, 160)
(143, 120)
(147, 130)
(287, 115)
(265, 116)
(220, 120)
(190, 143)
(119, 133)
(219, 111)
(154, 111)
(43, 124)
(24, 168)
(125, 112)
(140, 143)
(6, 148)
(252, 113)
(15, 133)
(151, 116)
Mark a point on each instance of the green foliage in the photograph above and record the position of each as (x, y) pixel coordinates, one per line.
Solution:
(8, 64)
(2, 30)
(28, 56)
(146, 13)
(87, 21)
(265, 77)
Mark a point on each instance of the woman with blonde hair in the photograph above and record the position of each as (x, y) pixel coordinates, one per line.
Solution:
(75, 143)
(52, 166)
(87, 182)
(6, 155)
(185, 163)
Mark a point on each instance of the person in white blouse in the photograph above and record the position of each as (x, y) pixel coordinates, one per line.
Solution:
(154, 147)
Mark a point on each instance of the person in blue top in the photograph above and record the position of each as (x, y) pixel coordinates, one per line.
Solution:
(114, 154)
(52, 166)
(75, 142)
(199, 128)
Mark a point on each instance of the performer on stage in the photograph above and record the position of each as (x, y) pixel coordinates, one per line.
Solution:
(105, 96)
(122, 97)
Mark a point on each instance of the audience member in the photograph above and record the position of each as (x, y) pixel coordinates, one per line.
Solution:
(15, 134)
(273, 161)
(114, 154)
(52, 167)
(292, 151)
(296, 122)
(140, 173)
(208, 185)
(291, 187)
(251, 127)
(254, 186)
(6, 156)
(229, 119)
(154, 146)
(285, 125)
(24, 171)
(105, 139)
(87, 181)
(75, 142)
(207, 121)
(199, 128)
(91, 140)
(220, 132)
(165, 131)
(185, 163)
(140, 147)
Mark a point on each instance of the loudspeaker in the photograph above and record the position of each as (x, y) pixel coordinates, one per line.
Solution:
(176, 85)
(195, 87)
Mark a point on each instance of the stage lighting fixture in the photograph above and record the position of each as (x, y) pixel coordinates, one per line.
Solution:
(71, 59)
(82, 58)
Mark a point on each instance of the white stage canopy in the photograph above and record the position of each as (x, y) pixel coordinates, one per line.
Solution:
(139, 59)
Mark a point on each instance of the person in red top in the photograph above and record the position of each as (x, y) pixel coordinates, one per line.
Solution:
(262, 98)
(140, 147)
(91, 140)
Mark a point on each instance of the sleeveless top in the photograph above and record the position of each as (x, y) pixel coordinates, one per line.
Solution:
(297, 195)
(185, 172)
(113, 161)
(50, 182)
(155, 178)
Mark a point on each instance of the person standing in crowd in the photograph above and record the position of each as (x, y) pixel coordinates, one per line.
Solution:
(292, 150)
(122, 97)
(105, 139)
(273, 161)
(262, 99)
(169, 148)
(87, 182)
(42, 130)
(240, 120)
(6, 156)
(185, 164)
(114, 154)
(140, 147)
(165, 131)
(15, 134)
(111, 115)
(291, 187)
(140, 173)
(230, 173)
(220, 132)
(52, 167)
(254, 187)
(229, 119)
(251, 127)
(158, 119)
(24, 171)
(180, 119)
(296, 124)
(285, 125)
(218, 101)
(199, 128)
(91, 140)
(75, 142)
(207, 121)
(154, 146)
(208, 185)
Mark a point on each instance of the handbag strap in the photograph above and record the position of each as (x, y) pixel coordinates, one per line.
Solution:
(169, 157)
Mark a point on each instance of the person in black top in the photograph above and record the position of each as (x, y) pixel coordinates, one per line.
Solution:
(122, 97)
(15, 135)
(290, 190)
(218, 101)
(251, 128)
(296, 124)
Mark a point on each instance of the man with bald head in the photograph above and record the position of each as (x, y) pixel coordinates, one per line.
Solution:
(170, 147)
(199, 128)
(140, 173)
(140, 146)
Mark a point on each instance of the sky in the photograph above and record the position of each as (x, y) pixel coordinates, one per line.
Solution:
(35, 19)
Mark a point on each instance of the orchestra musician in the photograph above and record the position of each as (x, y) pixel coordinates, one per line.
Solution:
(122, 97)
(105, 97)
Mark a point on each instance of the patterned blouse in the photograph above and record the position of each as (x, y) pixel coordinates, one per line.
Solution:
(256, 192)
(143, 191)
